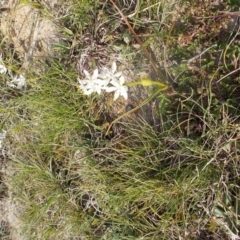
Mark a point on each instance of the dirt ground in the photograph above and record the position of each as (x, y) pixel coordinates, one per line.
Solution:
(29, 29)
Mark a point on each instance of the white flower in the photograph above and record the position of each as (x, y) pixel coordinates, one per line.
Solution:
(89, 87)
(98, 82)
(118, 87)
(110, 75)
(93, 77)
(18, 82)
(92, 83)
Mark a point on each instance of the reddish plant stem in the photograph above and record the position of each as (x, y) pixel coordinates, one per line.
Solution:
(147, 54)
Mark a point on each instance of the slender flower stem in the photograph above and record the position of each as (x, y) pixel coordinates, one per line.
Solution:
(161, 88)
(146, 82)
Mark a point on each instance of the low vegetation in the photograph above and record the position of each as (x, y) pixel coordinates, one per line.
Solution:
(169, 170)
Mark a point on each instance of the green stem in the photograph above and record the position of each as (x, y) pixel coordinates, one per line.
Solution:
(161, 88)
(146, 82)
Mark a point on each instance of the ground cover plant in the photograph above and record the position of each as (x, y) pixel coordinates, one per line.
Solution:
(84, 163)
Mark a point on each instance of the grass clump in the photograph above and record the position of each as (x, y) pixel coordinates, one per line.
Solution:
(174, 176)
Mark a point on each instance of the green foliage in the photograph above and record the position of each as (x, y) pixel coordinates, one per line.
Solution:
(234, 3)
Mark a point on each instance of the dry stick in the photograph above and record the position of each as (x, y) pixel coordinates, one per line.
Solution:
(148, 55)
(33, 40)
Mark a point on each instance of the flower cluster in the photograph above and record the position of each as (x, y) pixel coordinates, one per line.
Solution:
(108, 80)
(18, 82)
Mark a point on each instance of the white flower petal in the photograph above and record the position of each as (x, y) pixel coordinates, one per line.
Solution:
(95, 74)
(104, 69)
(98, 90)
(100, 82)
(121, 80)
(110, 89)
(87, 91)
(118, 74)
(82, 82)
(87, 74)
(125, 94)
(114, 67)
(116, 95)
(115, 82)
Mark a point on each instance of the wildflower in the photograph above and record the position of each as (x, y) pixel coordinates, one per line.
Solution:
(92, 83)
(110, 75)
(18, 82)
(118, 87)
(89, 87)
(108, 80)
(93, 77)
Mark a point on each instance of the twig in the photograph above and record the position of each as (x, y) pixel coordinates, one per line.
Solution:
(33, 41)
